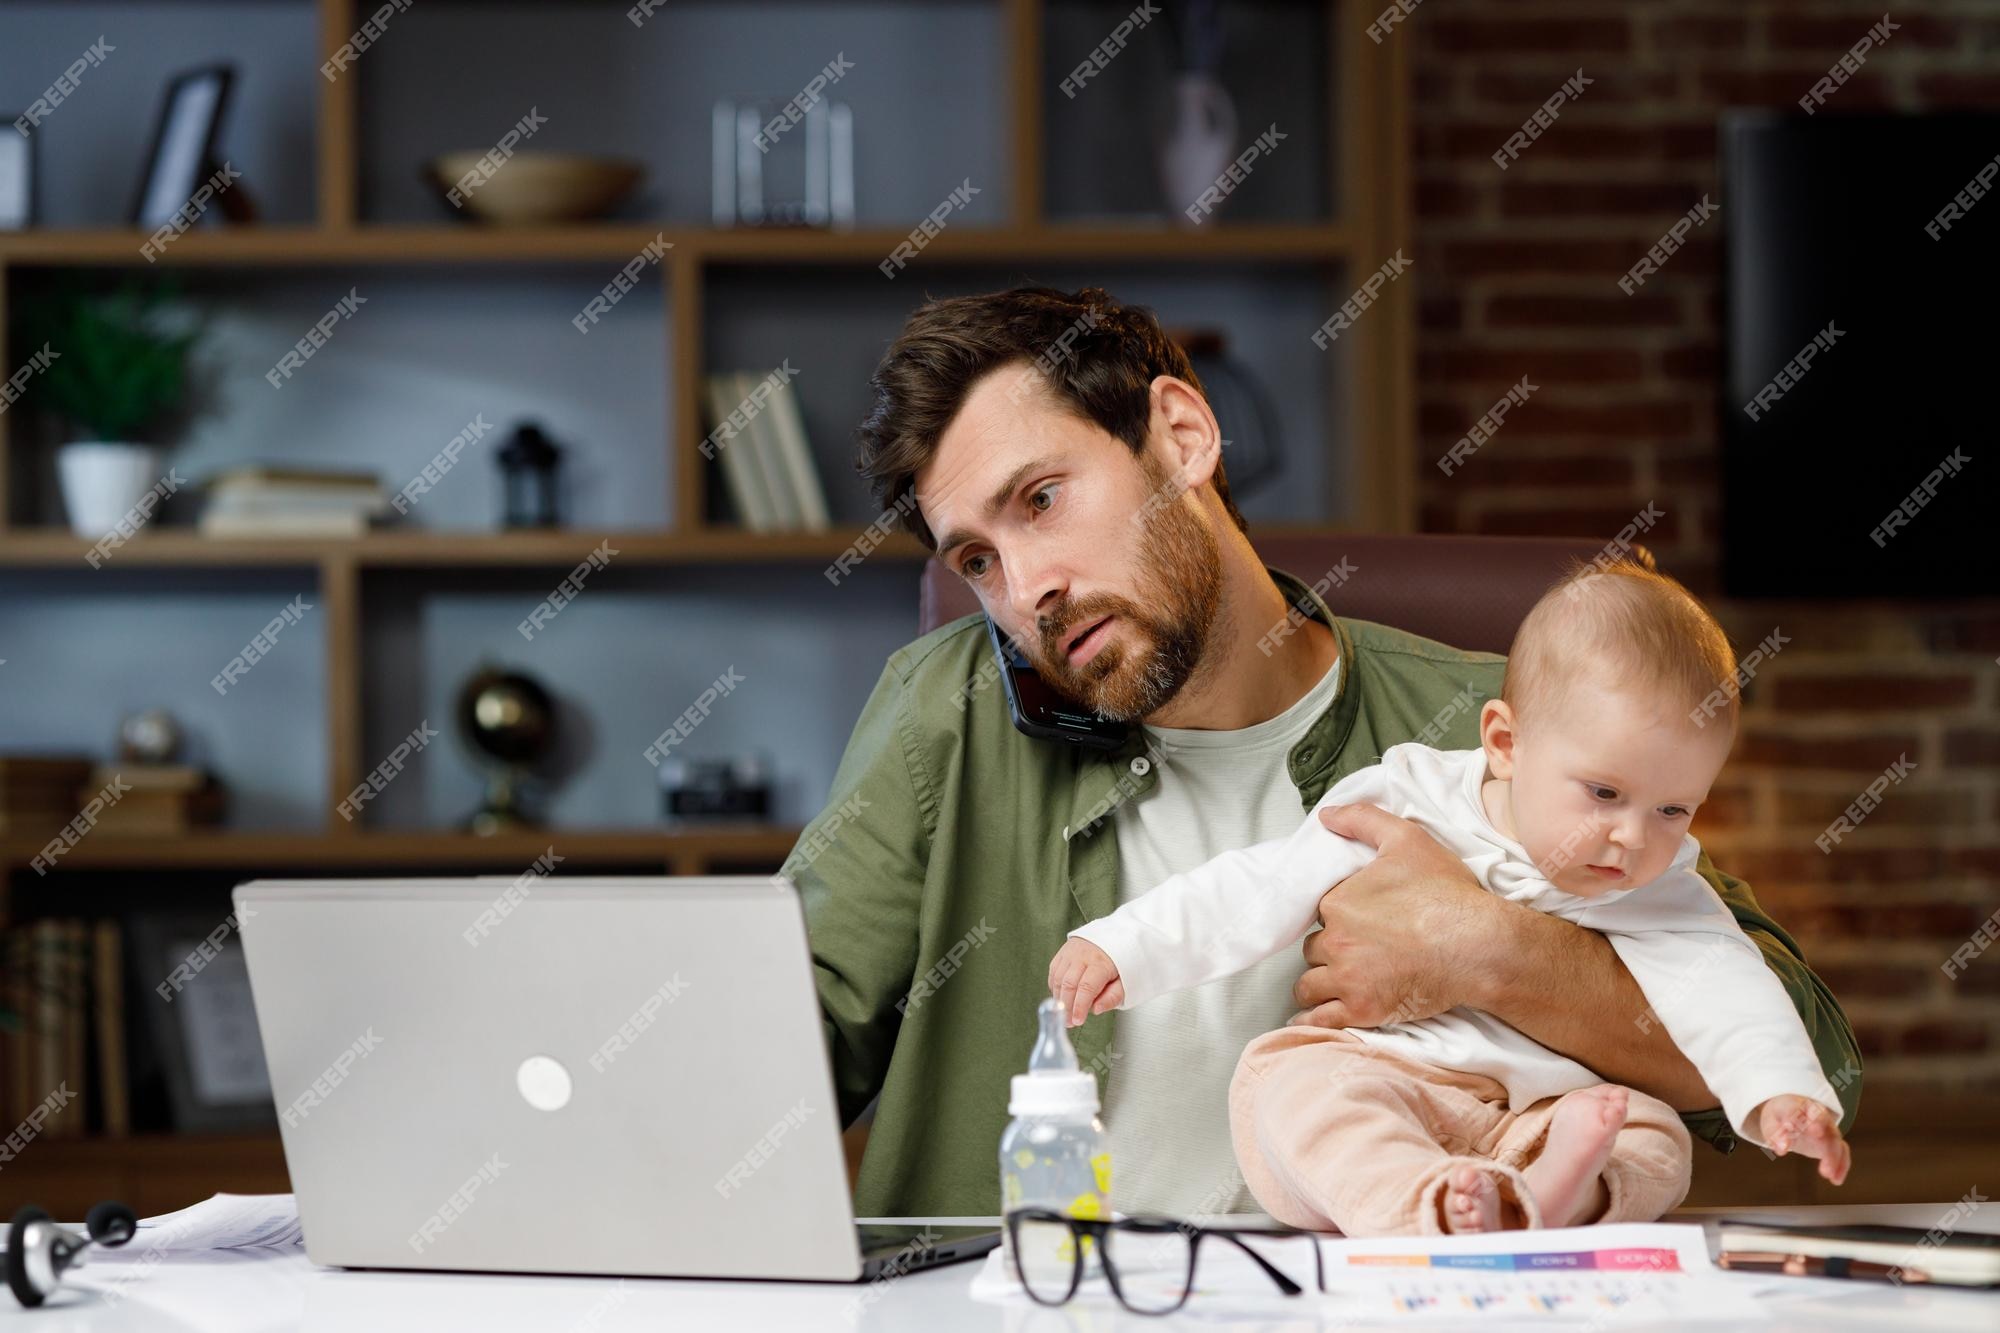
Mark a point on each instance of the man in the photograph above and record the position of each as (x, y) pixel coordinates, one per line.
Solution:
(1056, 451)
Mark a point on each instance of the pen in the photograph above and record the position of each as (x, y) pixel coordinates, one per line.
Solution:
(1806, 1265)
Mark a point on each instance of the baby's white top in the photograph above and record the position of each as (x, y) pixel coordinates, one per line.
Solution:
(1704, 979)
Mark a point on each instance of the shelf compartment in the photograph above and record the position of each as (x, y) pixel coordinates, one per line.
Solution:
(426, 352)
(93, 143)
(921, 123)
(623, 661)
(1099, 147)
(833, 326)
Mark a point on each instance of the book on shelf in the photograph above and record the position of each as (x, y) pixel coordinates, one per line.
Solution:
(108, 1012)
(285, 506)
(767, 464)
(264, 476)
(788, 425)
(282, 525)
(39, 793)
(15, 997)
(161, 799)
(73, 1010)
(744, 480)
(291, 502)
(22, 772)
(62, 1028)
(143, 777)
(44, 1012)
(763, 452)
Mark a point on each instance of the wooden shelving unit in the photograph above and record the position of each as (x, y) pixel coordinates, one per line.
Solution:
(1367, 113)
(1369, 135)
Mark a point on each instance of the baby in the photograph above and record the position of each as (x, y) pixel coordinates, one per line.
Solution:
(1593, 761)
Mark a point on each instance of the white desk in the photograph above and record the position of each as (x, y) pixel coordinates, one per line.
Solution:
(232, 1293)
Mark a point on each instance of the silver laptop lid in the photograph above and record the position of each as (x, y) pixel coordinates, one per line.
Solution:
(570, 1076)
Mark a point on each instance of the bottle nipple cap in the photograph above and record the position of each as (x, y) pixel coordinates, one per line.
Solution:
(1052, 1047)
(1053, 1085)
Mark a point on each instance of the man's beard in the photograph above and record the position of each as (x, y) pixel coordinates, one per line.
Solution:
(1180, 575)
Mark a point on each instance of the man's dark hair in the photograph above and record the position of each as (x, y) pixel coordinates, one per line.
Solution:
(1098, 359)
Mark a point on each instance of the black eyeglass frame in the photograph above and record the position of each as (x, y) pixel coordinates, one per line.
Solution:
(1080, 1227)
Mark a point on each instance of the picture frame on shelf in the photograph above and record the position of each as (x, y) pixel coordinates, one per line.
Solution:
(209, 1051)
(182, 152)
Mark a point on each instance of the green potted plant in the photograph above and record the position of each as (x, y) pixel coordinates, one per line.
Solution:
(114, 374)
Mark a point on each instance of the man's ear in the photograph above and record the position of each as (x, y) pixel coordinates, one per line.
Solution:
(1186, 428)
(1497, 734)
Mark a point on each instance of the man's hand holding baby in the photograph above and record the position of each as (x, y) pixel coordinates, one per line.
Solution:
(1083, 977)
(1799, 1124)
(1413, 933)
(1404, 937)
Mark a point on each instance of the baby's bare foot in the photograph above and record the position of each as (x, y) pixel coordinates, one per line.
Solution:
(1471, 1203)
(1564, 1179)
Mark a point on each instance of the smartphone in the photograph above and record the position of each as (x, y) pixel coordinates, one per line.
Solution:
(1039, 711)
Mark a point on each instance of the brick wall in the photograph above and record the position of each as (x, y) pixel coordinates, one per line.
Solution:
(1517, 275)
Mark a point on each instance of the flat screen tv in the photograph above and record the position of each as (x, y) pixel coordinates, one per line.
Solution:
(1860, 375)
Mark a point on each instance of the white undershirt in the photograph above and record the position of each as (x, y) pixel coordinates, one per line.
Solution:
(1166, 1107)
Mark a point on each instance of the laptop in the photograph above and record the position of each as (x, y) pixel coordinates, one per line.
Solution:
(578, 1075)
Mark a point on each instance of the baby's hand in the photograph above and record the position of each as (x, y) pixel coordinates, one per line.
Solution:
(1085, 979)
(1801, 1125)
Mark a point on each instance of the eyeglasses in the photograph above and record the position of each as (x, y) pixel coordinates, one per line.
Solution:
(1147, 1261)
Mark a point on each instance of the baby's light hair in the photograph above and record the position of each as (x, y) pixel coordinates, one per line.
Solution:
(1629, 625)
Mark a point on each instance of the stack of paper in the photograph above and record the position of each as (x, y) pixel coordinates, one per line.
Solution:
(220, 1222)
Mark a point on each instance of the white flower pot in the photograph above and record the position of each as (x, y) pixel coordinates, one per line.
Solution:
(102, 480)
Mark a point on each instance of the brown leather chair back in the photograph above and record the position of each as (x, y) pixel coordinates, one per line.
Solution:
(1469, 592)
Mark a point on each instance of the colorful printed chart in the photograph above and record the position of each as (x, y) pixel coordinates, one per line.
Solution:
(1576, 1274)
(1558, 1295)
(1624, 1259)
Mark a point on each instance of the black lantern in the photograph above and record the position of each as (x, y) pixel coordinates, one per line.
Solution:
(528, 478)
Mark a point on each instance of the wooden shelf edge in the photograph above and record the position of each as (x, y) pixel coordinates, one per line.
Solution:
(159, 1146)
(615, 242)
(42, 548)
(154, 1172)
(51, 548)
(318, 850)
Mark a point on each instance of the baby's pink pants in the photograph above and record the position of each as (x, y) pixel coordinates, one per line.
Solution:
(1332, 1133)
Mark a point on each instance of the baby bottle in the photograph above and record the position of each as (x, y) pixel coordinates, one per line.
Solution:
(1054, 1153)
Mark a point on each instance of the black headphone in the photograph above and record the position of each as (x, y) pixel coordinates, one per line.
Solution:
(39, 1252)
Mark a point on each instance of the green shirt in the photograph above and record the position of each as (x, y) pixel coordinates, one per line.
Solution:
(955, 854)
